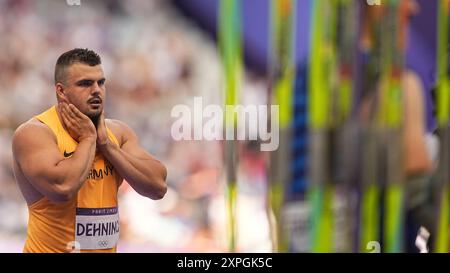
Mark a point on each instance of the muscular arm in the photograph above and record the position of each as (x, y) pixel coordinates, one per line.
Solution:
(143, 172)
(36, 153)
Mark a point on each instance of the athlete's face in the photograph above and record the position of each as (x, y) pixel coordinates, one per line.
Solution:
(84, 87)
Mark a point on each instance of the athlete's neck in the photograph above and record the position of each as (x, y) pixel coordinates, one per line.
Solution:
(95, 120)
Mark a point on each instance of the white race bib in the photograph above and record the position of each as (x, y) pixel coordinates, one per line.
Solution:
(97, 228)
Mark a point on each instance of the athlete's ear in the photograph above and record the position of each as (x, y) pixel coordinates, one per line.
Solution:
(60, 92)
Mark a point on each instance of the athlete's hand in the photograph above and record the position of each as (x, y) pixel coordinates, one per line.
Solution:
(79, 125)
(102, 133)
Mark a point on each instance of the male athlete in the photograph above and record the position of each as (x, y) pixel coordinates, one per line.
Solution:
(69, 162)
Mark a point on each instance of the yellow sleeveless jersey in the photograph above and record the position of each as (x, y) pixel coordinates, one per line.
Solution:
(87, 223)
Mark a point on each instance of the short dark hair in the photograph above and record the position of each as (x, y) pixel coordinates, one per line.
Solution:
(77, 55)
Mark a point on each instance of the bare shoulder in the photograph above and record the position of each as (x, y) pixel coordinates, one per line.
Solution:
(31, 136)
(32, 131)
(120, 129)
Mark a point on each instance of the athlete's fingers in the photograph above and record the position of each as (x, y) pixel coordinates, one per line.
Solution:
(71, 112)
(64, 111)
(77, 112)
(66, 114)
(70, 120)
(66, 119)
(64, 108)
